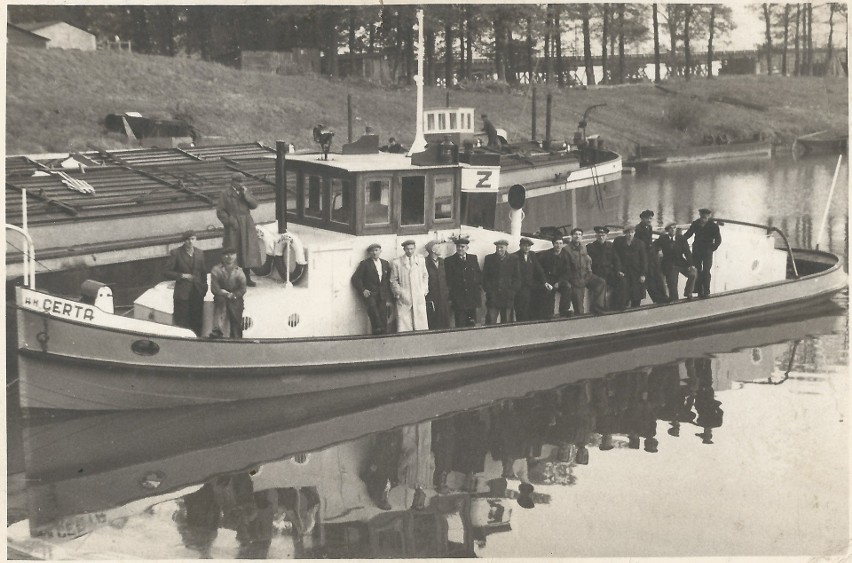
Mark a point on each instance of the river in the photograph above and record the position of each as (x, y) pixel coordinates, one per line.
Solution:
(729, 443)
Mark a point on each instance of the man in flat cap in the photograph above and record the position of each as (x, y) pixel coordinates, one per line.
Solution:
(438, 298)
(555, 264)
(580, 276)
(372, 281)
(606, 265)
(677, 260)
(228, 284)
(464, 278)
(633, 257)
(186, 267)
(501, 279)
(531, 288)
(234, 211)
(707, 240)
(655, 283)
(410, 284)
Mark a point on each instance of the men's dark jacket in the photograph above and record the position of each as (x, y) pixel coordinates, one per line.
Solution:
(464, 278)
(675, 252)
(556, 267)
(633, 257)
(605, 262)
(501, 279)
(366, 277)
(181, 263)
(645, 233)
(532, 275)
(707, 236)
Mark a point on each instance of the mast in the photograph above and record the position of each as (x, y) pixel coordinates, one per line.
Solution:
(419, 143)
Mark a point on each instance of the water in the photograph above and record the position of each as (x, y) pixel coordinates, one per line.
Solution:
(277, 479)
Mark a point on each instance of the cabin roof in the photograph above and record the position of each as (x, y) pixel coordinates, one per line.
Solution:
(379, 162)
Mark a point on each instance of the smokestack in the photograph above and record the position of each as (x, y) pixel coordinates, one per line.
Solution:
(281, 185)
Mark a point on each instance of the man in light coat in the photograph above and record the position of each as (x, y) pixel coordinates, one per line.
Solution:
(410, 284)
(234, 211)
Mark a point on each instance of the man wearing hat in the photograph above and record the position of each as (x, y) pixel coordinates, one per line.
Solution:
(186, 267)
(228, 284)
(464, 279)
(372, 281)
(707, 240)
(501, 279)
(234, 211)
(438, 298)
(555, 264)
(529, 292)
(633, 257)
(410, 284)
(580, 276)
(606, 265)
(655, 282)
(677, 259)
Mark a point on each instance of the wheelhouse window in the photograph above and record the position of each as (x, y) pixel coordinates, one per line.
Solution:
(430, 122)
(312, 195)
(341, 201)
(413, 201)
(292, 192)
(453, 125)
(442, 121)
(443, 198)
(377, 202)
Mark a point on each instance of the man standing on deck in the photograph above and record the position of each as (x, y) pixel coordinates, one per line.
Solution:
(501, 279)
(655, 282)
(372, 281)
(228, 284)
(634, 263)
(234, 211)
(438, 298)
(410, 283)
(606, 265)
(464, 278)
(555, 264)
(528, 295)
(186, 267)
(489, 129)
(677, 259)
(707, 240)
(580, 276)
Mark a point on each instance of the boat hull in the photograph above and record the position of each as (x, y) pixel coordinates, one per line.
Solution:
(65, 364)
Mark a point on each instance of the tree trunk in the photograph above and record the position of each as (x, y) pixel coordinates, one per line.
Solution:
(711, 30)
(672, 13)
(687, 51)
(499, 64)
(621, 43)
(587, 46)
(461, 71)
(604, 38)
(767, 20)
(429, 56)
(511, 64)
(448, 54)
(469, 42)
(141, 34)
(372, 42)
(557, 37)
(548, 35)
(830, 52)
(351, 37)
(810, 39)
(656, 21)
(530, 52)
(786, 39)
(797, 69)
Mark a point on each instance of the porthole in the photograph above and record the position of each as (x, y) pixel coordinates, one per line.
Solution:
(301, 459)
(293, 320)
(247, 323)
(145, 347)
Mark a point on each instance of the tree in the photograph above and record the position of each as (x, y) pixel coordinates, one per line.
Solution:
(796, 64)
(711, 30)
(687, 52)
(674, 23)
(604, 37)
(810, 10)
(786, 39)
(768, 21)
(657, 78)
(586, 13)
(621, 43)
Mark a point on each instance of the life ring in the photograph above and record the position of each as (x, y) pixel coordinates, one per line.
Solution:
(296, 254)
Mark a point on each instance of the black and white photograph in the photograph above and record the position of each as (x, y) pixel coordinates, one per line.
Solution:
(385, 280)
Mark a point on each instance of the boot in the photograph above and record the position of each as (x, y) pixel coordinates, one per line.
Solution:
(249, 281)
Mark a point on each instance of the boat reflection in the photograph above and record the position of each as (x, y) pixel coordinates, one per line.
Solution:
(421, 473)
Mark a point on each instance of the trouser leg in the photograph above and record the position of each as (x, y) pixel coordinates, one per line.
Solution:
(597, 286)
(671, 281)
(180, 315)
(578, 297)
(564, 299)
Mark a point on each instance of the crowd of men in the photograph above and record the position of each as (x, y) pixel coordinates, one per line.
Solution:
(525, 286)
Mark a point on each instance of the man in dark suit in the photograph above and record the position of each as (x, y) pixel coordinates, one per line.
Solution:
(186, 266)
(677, 259)
(634, 263)
(501, 279)
(707, 240)
(655, 282)
(532, 283)
(372, 280)
(438, 298)
(464, 278)
(606, 265)
(555, 264)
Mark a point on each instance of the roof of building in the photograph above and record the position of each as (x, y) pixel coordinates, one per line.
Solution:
(24, 30)
(35, 26)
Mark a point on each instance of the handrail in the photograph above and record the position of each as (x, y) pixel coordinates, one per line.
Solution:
(768, 230)
(29, 256)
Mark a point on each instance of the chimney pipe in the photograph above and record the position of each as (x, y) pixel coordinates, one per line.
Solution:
(281, 185)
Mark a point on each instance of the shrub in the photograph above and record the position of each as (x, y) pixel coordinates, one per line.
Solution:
(683, 114)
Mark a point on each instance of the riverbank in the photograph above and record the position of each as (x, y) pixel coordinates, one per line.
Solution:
(57, 101)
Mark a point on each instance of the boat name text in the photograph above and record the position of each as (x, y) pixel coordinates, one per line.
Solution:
(60, 307)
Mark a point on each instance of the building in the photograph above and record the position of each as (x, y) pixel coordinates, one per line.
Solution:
(20, 37)
(62, 35)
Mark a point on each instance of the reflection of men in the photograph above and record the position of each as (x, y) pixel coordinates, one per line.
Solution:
(532, 283)
(606, 265)
(234, 210)
(228, 284)
(634, 263)
(372, 281)
(501, 278)
(707, 240)
(464, 279)
(677, 259)
(580, 276)
(489, 129)
(410, 283)
(186, 266)
(555, 264)
(438, 298)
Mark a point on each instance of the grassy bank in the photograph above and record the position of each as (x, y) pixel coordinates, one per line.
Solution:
(57, 100)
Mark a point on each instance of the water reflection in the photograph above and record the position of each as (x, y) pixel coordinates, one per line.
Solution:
(475, 469)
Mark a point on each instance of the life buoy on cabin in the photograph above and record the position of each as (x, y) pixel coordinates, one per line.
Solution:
(274, 245)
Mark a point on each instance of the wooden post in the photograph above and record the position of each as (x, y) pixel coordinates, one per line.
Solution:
(533, 114)
(349, 117)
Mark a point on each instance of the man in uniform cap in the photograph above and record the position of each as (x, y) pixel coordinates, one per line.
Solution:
(464, 279)
(438, 298)
(372, 281)
(186, 267)
(655, 282)
(531, 286)
(633, 257)
(606, 265)
(707, 240)
(555, 264)
(676, 260)
(501, 279)
(228, 284)
(234, 211)
(410, 284)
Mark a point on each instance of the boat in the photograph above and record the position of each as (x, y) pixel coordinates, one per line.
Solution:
(305, 327)
(821, 142)
(86, 470)
(648, 155)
